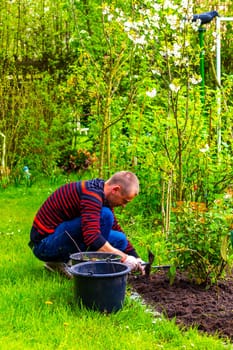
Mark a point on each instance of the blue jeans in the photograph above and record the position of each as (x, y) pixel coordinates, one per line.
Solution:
(68, 239)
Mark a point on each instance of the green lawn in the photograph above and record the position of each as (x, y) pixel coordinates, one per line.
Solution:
(38, 311)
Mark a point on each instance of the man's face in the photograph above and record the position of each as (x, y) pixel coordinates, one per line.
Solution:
(117, 198)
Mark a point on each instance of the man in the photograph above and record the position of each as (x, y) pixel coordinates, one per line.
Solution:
(79, 216)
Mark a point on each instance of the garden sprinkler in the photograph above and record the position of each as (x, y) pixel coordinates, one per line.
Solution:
(205, 17)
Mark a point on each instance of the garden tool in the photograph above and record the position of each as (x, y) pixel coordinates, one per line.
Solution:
(149, 266)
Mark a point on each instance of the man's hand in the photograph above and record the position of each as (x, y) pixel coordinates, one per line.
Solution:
(135, 264)
(131, 262)
(141, 266)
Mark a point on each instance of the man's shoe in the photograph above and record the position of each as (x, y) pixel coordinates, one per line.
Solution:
(60, 267)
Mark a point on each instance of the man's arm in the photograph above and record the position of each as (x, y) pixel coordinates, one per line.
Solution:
(108, 248)
(130, 248)
(132, 262)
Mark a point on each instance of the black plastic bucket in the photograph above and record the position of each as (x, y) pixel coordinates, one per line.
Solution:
(94, 257)
(100, 285)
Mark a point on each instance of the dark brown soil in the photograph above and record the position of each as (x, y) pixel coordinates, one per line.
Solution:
(209, 309)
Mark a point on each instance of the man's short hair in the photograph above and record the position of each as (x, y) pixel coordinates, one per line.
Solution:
(127, 180)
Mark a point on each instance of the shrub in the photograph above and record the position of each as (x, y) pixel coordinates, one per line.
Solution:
(75, 161)
(200, 244)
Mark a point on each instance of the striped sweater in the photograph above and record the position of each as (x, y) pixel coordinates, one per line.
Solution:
(83, 198)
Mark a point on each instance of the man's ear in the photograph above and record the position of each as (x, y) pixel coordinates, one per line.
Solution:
(116, 188)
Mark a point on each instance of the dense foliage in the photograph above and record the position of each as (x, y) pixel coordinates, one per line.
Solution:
(199, 244)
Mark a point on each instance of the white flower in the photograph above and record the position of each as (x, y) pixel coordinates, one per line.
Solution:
(185, 4)
(162, 53)
(140, 40)
(177, 50)
(172, 20)
(156, 7)
(194, 80)
(168, 4)
(174, 88)
(151, 93)
(156, 72)
(106, 10)
(141, 24)
(119, 12)
(213, 48)
(205, 149)
(155, 20)
(196, 25)
(83, 32)
(110, 17)
(128, 24)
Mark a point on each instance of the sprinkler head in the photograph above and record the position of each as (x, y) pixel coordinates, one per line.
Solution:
(205, 17)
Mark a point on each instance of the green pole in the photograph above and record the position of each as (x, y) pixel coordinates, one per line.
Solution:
(201, 31)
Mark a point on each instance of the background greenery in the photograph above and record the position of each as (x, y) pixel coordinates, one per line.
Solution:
(88, 88)
(74, 65)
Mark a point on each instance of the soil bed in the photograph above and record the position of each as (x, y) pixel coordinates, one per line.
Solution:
(210, 310)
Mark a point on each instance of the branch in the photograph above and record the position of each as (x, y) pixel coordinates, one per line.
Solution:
(123, 113)
(3, 150)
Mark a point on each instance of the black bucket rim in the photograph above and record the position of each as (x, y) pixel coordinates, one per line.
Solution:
(126, 270)
(109, 256)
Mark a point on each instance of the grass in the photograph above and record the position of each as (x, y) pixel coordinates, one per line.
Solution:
(38, 311)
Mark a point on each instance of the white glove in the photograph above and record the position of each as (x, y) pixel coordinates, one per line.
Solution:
(140, 261)
(141, 266)
(131, 262)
